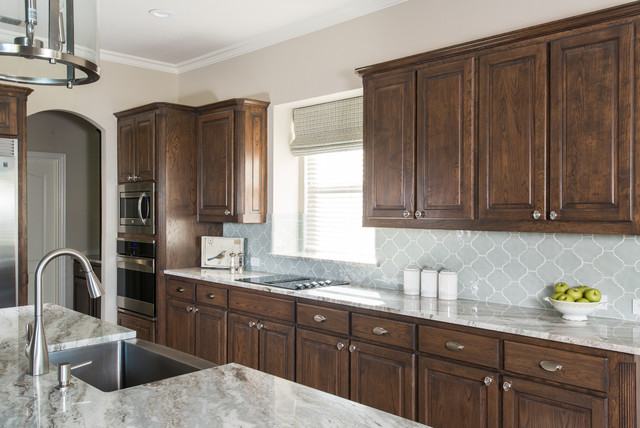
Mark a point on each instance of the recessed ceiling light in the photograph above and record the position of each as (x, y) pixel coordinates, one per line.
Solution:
(161, 13)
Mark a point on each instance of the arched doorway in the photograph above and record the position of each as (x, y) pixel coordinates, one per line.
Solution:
(63, 200)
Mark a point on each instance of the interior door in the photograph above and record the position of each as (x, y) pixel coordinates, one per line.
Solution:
(46, 222)
(512, 134)
(389, 146)
(592, 87)
(445, 141)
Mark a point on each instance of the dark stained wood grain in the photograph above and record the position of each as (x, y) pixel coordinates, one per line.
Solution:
(181, 289)
(144, 326)
(145, 146)
(455, 396)
(277, 349)
(530, 405)
(262, 306)
(8, 115)
(389, 146)
(180, 326)
(243, 341)
(445, 171)
(480, 350)
(591, 125)
(398, 333)
(323, 318)
(211, 295)
(384, 378)
(322, 362)
(126, 154)
(513, 134)
(211, 334)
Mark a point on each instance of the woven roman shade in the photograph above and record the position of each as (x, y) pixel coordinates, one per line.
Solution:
(328, 127)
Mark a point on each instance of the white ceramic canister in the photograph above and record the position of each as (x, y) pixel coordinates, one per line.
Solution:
(412, 280)
(447, 285)
(429, 283)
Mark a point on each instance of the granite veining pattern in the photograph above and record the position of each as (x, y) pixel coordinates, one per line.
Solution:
(225, 396)
(601, 333)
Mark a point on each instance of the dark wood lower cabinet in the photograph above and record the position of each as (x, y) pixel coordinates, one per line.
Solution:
(144, 327)
(322, 362)
(529, 404)
(180, 326)
(277, 349)
(81, 301)
(211, 334)
(383, 378)
(454, 395)
(243, 341)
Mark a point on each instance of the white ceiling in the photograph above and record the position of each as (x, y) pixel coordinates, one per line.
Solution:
(203, 32)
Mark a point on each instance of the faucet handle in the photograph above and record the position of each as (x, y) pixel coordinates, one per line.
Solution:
(64, 373)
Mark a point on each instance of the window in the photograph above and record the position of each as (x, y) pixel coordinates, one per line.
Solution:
(332, 220)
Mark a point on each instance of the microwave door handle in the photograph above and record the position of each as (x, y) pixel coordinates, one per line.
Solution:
(140, 199)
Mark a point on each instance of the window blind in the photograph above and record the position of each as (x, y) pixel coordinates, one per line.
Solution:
(332, 226)
(328, 127)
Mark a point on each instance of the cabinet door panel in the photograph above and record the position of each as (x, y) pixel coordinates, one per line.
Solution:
(243, 341)
(513, 122)
(277, 349)
(8, 115)
(145, 146)
(216, 166)
(323, 362)
(389, 145)
(145, 328)
(445, 387)
(126, 154)
(211, 334)
(180, 326)
(591, 128)
(384, 379)
(533, 405)
(445, 141)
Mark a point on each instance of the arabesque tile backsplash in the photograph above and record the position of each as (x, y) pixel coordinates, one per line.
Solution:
(500, 267)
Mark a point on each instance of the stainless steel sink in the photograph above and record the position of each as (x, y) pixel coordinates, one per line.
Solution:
(127, 363)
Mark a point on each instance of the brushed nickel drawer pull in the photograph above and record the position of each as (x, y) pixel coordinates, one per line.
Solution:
(550, 366)
(380, 331)
(180, 290)
(319, 318)
(211, 296)
(454, 346)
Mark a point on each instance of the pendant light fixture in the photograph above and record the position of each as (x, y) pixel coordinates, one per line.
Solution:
(54, 44)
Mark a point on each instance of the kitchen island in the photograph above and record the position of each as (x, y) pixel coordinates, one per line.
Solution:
(225, 396)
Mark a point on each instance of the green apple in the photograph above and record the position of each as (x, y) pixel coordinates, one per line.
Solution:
(560, 287)
(593, 295)
(566, 298)
(556, 295)
(575, 293)
(583, 287)
(583, 300)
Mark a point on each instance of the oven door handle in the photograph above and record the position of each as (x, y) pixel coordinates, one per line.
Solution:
(137, 264)
(143, 219)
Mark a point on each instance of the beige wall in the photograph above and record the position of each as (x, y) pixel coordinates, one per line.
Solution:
(121, 87)
(58, 132)
(323, 62)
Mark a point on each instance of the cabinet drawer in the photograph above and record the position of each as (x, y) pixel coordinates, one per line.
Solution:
(567, 367)
(328, 319)
(453, 344)
(211, 295)
(263, 306)
(381, 330)
(181, 289)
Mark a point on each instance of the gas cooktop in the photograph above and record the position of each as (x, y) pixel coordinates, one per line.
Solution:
(292, 282)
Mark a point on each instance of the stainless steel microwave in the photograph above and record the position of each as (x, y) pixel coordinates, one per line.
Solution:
(137, 208)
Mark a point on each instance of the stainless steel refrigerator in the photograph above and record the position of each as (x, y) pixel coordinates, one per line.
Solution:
(8, 222)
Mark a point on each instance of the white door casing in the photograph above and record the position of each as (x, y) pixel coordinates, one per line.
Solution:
(46, 212)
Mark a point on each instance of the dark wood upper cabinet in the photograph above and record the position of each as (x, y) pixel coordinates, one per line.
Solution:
(592, 125)
(243, 339)
(211, 334)
(389, 153)
(322, 362)
(180, 326)
(277, 349)
(454, 396)
(529, 404)
(513, 134)
(126, 150)
(445, 141)
(232, 162)
(383, 378)
(8, 115)
(145, 146)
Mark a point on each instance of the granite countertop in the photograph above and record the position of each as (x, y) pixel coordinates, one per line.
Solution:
(601, 333)
(225, 396)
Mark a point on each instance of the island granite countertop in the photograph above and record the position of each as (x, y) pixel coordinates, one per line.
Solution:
(224, 396)
(601, 333)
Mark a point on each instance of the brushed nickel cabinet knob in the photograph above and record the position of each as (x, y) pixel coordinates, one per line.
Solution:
(506, 387)
(553, 215)
(536, 215)
(488, 380)
(406, 214)
(340, 346)
(227, 212)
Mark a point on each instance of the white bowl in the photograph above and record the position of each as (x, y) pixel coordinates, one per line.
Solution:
(573, 311)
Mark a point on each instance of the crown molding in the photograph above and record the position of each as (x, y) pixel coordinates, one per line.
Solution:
(361, 8)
